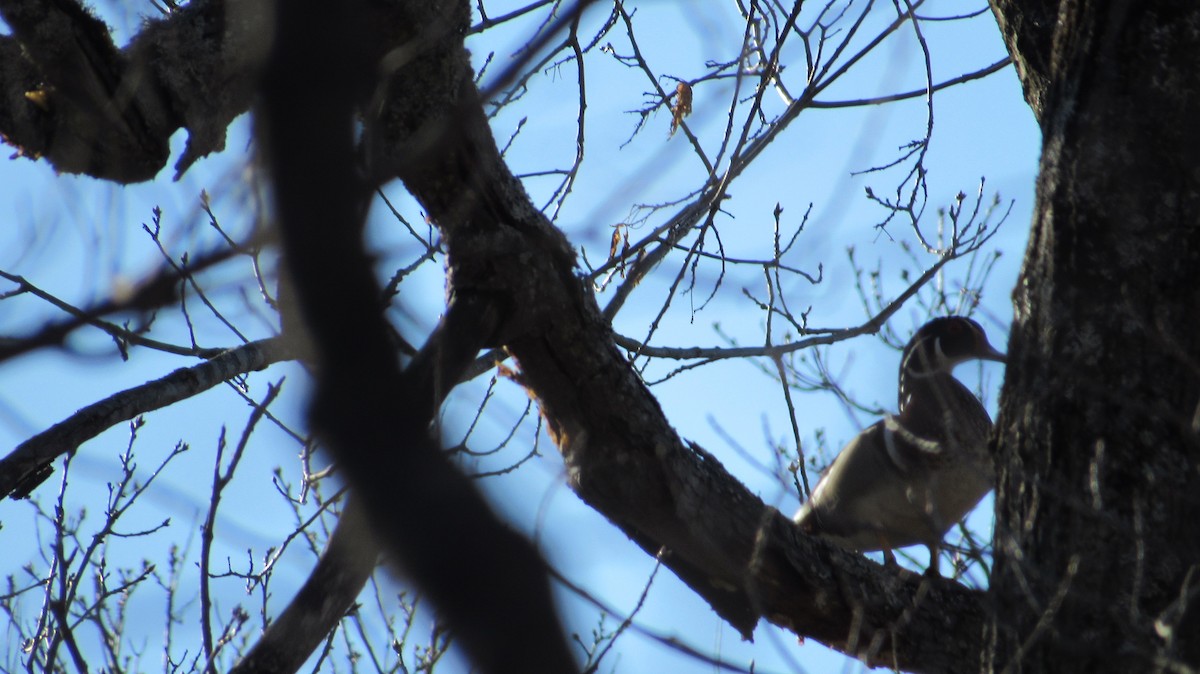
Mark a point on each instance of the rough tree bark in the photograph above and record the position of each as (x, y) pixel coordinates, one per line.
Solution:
(1098, 520)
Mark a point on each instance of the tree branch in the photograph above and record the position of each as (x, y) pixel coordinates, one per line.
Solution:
(351, 553)
(30, 463)
(329, 592)
(374, 419)
(67, 94)
(622, 456)
(158, 290)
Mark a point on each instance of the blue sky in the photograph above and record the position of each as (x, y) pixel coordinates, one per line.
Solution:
(81, 239)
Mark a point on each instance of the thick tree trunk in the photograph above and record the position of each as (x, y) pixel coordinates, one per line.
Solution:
(1098, 507)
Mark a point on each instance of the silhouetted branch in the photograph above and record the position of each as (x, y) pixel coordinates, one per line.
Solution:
(374, 419)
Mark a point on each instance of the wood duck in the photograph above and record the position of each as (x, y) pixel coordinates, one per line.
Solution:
(908, 478)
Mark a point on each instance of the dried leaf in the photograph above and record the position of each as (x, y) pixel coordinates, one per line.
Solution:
(683, 105)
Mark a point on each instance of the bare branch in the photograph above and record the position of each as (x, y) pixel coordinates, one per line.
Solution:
(30, 463)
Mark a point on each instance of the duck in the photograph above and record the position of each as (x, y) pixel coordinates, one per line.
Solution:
(909, 477)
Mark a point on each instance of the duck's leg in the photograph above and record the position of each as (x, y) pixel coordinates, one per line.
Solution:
(935, 554)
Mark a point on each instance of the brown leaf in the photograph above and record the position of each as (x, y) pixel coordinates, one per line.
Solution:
(683, 105)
